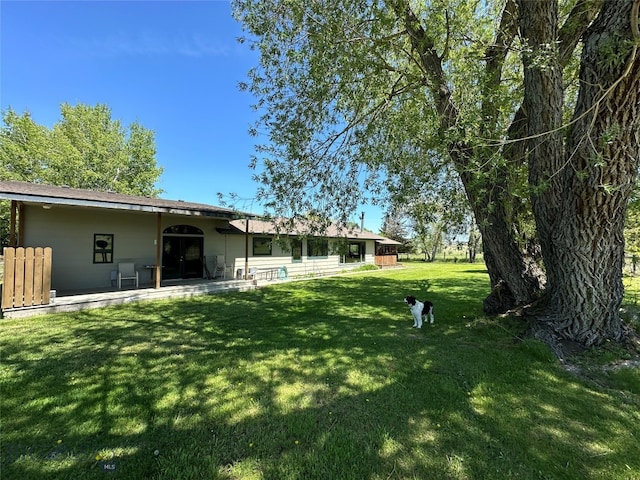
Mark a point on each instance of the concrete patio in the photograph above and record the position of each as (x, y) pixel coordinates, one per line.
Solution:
(73, 301)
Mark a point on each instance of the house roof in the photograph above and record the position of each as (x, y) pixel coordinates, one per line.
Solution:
(299, 228)
(36, 193)
(47, 194)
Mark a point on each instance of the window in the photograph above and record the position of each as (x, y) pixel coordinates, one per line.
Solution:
(318, 247)
(296, 249)
(261, 246)
(387, 250)
(183, 230)
(355, 252)
(102, 248)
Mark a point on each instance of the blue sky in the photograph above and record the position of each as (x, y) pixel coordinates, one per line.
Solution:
(172, 66)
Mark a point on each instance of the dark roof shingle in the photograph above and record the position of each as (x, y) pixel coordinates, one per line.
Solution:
(34, 192)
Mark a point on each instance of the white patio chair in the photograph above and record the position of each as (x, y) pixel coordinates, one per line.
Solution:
(127, 271)
(220, 269)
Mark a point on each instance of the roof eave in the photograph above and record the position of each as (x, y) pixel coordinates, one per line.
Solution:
(48, 200)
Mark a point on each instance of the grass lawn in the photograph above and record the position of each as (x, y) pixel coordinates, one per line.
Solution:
(320, 379)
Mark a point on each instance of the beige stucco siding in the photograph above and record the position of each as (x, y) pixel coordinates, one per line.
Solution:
(70, 232)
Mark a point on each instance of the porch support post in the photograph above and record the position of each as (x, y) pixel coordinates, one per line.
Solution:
(246, 249)
(21, 224)
(158, 250)
(12, 225)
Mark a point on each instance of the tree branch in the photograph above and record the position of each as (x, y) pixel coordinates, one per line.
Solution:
(430, 63)
(579, 19)
(495, 56)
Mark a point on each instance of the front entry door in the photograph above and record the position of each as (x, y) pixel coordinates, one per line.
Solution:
(182, 257)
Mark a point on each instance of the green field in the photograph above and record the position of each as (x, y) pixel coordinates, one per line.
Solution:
(318, 379)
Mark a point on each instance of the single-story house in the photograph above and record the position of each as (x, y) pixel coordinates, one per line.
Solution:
(91, 233)
(305, 253)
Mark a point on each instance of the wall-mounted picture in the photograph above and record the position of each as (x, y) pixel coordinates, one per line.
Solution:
(103, 248)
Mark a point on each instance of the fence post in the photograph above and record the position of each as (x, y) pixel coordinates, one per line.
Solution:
(9, 275)
(46, 275)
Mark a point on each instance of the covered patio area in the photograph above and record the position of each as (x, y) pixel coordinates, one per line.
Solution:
(73, 301)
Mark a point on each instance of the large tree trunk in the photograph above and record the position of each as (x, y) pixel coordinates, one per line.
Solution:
(508, 267)
(516, 278)
(580, 189)
(514, 270)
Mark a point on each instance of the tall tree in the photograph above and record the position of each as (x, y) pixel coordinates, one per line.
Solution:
(430, 237)
(393, 227)
(582, 178)
(473, 242)
(353, 91)
(23, 147)
(86, 148)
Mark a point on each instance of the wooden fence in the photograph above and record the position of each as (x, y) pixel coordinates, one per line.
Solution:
(27, 277)
(386, 260)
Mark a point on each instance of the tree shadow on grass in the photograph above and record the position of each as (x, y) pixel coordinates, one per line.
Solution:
(319, 380)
